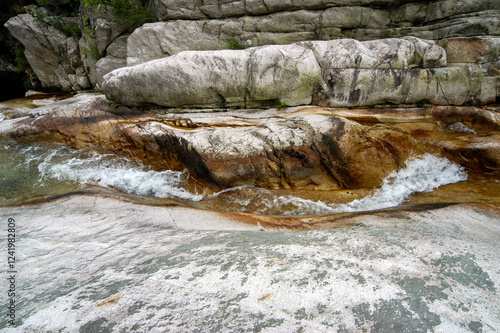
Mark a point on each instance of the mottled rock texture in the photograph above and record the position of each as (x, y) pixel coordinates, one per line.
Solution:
(126, 267)
(214, 25)
(54, 56)
(342, 72)
(303, 147)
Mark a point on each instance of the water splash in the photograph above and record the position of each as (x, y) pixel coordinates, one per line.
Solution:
(421, 174)
(117, 173)
(41, 170)
(45, 170)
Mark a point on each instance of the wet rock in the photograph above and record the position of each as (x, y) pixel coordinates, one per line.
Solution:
(309, 148)
(429, 269)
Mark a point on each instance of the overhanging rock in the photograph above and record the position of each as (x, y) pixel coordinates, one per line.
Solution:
(342, 72)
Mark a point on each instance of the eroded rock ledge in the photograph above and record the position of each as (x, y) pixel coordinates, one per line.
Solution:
(301, 147)
(334, 73)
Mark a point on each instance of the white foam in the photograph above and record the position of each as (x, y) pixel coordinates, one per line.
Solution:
(421, 174)
(2, 117)
(111, 172)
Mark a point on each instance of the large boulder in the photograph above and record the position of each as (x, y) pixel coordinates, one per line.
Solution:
(160, 39)
(53, 55)
(328, 73)
(440, 86)
(210, 25)
(256, 76)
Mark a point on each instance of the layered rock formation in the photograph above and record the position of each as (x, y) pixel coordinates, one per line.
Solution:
(341, 72)
(304, 147)
(67, 63)
(274, 148)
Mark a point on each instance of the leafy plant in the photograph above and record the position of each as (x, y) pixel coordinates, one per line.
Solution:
(131, 10)
(234, 44)
(72, 29)
(113, 104)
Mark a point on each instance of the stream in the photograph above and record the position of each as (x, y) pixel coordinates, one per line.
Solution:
(37, 171)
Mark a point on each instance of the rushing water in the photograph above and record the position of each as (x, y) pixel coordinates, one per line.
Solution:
(39, 170)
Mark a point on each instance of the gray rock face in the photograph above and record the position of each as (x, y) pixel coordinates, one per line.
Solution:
(54, 56)
(327, 73)
(402, 11)
(215, 25)
(207, 25)
(287, 74)
(116, 57)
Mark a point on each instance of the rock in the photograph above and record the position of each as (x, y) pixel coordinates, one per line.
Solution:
(182, 80)
(424, 13)
(116, 57)
(328, 73)
(157, 40)
(389, 53)
(441, 86)
(478, 50)
(105, 26)
(54, 56)
(302, 148)
(284, 22)
(266, 75)
(118, 260)
(168, 9)
(160, 39)
(309, 151)
(287, 74)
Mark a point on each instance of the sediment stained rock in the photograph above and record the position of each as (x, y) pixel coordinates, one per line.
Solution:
(304, 147)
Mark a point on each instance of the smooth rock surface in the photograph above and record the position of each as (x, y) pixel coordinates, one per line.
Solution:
(285, 74)
(93, 264)
(337, 73)
(302, 147)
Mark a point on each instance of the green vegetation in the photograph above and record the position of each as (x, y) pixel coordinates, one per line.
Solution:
(91, 49)
(280, 105)
(234, 44)
(113, 104)
(135, 11)
(58, 22)
(10, 48)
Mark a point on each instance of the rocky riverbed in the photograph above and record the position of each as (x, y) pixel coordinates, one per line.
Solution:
(127, 242)
(94, 264)
(253, 165)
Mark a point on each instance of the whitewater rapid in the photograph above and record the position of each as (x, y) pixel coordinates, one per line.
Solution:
(62, 165)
